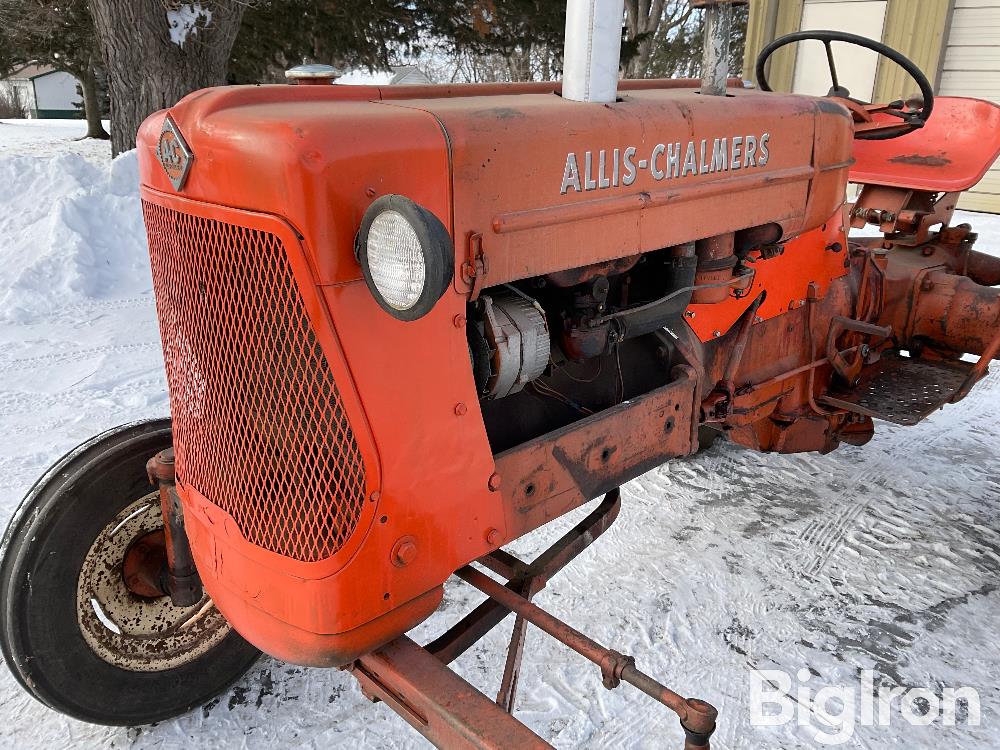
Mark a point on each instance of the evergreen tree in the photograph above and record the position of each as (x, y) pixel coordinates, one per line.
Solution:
(58, 33)
(278, 34)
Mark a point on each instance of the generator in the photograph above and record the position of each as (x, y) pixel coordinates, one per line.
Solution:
(404, 326)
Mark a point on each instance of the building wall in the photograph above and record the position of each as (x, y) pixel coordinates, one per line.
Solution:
(917, 28)
(55, 95)
(971, 67)
(956, 43)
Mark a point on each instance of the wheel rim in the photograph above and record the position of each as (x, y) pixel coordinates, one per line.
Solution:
(136, 633)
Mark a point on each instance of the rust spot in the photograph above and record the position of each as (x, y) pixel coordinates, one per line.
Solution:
(921, 160)
(504, 113)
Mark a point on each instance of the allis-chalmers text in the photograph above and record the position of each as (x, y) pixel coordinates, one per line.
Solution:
(619, 166)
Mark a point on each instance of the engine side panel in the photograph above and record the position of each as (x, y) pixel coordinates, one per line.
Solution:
(551, 184)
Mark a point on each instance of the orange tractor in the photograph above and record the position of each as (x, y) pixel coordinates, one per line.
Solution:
(404, 326)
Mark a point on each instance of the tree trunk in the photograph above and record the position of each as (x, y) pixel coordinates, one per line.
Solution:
(642, 20)
(92, 104)
(147, 70)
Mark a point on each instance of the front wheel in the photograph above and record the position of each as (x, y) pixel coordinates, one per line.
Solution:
(75, 634)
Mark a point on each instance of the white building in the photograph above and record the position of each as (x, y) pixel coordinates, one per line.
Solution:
(46, 93)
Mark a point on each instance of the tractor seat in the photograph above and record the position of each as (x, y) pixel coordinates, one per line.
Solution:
(951, 153)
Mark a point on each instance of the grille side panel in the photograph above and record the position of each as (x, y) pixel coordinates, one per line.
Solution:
(259, 424)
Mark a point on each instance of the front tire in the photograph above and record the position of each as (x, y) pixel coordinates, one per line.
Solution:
(71, 631)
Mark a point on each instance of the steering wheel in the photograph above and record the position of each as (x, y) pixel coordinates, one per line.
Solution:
(873, 122)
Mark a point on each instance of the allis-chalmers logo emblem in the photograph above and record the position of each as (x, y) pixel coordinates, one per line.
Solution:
(174, 154)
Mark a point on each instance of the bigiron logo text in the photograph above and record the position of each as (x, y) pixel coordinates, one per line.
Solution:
(667, 161)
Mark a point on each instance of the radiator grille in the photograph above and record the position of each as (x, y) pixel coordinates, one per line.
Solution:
(259, 427)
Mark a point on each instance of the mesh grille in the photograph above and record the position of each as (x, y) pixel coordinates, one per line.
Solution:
(259, 428)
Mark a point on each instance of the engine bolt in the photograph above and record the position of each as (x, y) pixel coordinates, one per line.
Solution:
(494, 482)
(461, 409)
(404, 551)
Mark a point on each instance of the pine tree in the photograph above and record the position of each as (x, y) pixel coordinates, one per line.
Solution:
(278, 34)
(58, 33)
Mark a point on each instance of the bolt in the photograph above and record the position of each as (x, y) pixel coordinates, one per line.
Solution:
(406, 552)
(458, 320)
(374, 497)
(493, 537)
(926, 285)
(717, 334)
(461, 409)
(689, 313)
(370, 192)
(927, 252)
(494, 482)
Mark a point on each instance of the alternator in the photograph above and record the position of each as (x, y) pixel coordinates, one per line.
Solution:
(517, 335)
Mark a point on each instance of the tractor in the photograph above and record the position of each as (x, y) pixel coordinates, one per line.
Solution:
(404, 326)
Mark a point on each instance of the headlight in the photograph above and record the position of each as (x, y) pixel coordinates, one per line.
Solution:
(406, 256)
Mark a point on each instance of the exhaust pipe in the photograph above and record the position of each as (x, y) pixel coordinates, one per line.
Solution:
(593, 47)
(715, 56)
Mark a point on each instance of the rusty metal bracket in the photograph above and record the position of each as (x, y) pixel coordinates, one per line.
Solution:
(524, 578)
(697, 717)
(417, 684)
(848, 362)
(475, 267)
(979, 370)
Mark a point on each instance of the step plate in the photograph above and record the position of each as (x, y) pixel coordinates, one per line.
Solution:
(902, 390)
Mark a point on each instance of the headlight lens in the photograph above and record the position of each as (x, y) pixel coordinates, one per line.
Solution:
(406, 255)
(396, 260)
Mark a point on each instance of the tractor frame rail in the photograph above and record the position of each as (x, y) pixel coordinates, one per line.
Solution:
(417, 683)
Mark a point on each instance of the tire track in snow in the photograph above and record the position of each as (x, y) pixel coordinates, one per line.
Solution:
(821, 539)
(77, 355)
(73, 312)
(19, 403)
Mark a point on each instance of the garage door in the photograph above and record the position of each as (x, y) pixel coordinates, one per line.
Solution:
(972, 68)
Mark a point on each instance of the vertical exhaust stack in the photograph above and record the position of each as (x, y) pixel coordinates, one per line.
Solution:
(593, 47)
(715, 57)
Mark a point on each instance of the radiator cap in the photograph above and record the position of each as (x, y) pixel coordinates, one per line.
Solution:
(314, 74)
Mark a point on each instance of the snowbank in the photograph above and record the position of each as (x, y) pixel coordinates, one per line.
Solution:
(72, 230)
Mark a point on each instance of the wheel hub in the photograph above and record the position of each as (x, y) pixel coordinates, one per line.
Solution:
(144, 563)
(124, 615)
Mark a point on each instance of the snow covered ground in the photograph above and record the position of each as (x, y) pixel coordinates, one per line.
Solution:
(884, 557)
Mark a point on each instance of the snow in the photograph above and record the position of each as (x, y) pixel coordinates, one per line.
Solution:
(184, 20)
(884, 557)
